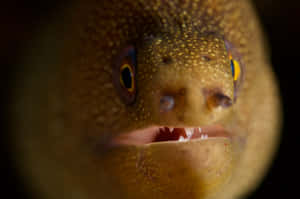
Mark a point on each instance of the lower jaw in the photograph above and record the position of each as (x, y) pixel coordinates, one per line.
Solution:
(195, 168)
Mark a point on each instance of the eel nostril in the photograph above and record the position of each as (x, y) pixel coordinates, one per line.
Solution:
(167, 103)
(223, 100)
(218, 99)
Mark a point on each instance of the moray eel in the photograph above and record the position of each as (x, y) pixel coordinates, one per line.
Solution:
(146, 99)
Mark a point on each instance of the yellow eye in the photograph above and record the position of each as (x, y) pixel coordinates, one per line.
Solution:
(235, 68)
(124, 74)
(127, 77)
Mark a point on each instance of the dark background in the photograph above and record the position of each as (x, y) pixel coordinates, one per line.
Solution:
(281, 21)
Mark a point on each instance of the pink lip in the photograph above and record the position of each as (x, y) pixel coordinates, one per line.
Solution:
(157, 134)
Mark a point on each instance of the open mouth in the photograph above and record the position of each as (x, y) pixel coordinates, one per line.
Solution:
(158, 134)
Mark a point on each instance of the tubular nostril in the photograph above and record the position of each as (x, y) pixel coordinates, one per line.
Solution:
(216, 98)
(167, 103)
(222, 100)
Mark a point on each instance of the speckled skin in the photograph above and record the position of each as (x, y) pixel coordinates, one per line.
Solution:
(67, 108)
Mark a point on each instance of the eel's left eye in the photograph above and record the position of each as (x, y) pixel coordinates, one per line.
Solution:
(235, 68)
(124, 72)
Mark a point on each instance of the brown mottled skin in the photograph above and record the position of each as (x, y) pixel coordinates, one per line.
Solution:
(67, 108)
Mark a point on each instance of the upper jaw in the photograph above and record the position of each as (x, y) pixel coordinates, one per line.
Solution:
(167, 134)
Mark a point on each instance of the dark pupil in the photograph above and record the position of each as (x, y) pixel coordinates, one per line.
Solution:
(232, 68)
(127, 78)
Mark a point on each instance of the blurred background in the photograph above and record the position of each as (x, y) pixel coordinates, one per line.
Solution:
(281, 22)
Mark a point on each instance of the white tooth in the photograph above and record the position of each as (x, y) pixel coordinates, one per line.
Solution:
(171, 129)
(200, 130)
(181, 139)
(189, 132)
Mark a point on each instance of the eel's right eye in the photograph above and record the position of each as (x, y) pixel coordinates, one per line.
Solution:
(124, 73)
(127, 77)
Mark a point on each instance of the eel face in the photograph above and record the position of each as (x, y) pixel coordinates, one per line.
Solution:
(147, 99)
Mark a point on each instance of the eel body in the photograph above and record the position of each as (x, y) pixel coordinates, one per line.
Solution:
(146, 99)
